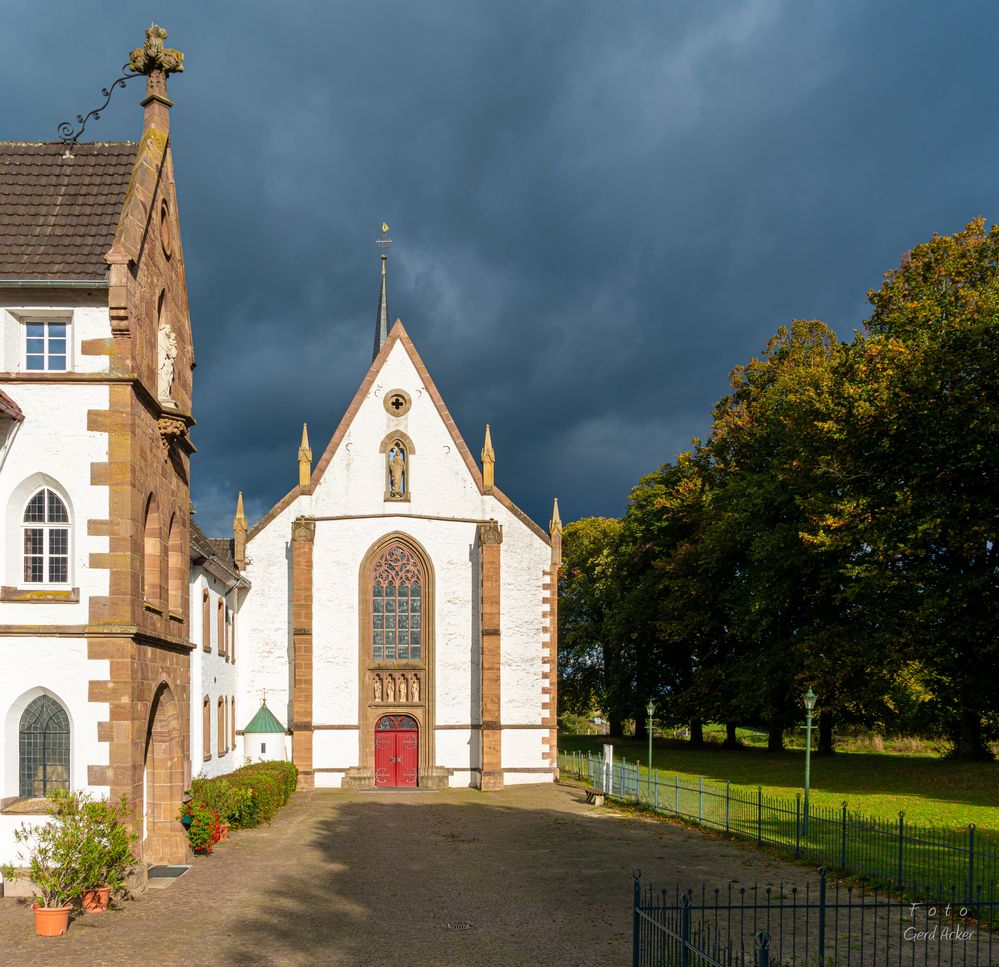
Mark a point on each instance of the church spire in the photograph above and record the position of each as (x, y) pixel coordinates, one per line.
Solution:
(305, 462)
(382, 320)
(239, 534)
(555, 533)
(488, 463)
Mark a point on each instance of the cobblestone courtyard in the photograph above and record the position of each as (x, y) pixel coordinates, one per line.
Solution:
(375, 878)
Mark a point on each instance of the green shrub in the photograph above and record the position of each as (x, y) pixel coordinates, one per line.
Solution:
(229, 799)
(249, 796)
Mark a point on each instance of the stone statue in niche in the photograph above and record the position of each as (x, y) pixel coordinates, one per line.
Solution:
(397, 471)
(414, 692)
(378, 688)
(167, 352)
(402, 688)
(390, 688)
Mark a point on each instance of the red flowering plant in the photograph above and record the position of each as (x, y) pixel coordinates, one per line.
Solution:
(205, 829)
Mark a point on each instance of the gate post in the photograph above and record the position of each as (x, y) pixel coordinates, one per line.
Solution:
(685, 931)
(842, 857)
(822, 914)
(971, 862)
(763, 949)
(901, 840)
(636, 897)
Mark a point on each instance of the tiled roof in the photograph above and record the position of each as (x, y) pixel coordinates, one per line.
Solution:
(58, 214)
(218, 549)
(9, 408)
(222, 548)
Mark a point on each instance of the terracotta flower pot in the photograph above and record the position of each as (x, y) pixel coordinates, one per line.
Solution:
(96, 901)
(225, 832)
(51, 921)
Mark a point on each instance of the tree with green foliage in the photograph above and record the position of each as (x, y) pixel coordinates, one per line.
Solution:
(916, 458)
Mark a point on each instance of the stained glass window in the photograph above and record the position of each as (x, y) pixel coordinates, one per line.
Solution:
(43, 748)
(396, 605)
(392, 723)
(46, 543)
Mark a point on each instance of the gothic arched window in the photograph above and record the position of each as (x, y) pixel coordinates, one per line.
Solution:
(396, 605)
(43, 748)
(46, 539)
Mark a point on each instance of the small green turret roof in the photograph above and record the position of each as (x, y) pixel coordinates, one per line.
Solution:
(264, 721)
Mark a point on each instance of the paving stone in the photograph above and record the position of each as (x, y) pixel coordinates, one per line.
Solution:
(529, 875)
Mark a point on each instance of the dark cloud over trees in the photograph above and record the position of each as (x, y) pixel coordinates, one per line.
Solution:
(598, 210)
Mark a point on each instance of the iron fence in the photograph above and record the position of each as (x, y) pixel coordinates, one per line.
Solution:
(823, 925)
(889, 853)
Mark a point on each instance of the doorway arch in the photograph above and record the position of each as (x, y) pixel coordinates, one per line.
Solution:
(163, 840)
(397, 751)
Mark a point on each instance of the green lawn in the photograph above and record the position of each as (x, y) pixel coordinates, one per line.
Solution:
(931, 791)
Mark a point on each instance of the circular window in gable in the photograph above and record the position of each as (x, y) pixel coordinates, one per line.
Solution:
(397, 402)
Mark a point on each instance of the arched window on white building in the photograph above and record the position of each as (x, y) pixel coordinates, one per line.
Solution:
(43, 748)
(46, 526)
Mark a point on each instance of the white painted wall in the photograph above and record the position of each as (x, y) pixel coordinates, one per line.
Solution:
(60, 667)
(354, 485)
(53, 448)
(213, 676)
(85, 322)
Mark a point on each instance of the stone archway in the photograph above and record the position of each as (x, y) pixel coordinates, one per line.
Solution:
(164, 840)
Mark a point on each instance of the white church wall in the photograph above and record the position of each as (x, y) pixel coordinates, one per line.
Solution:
(524, 749)
(334, 748)
(457, 749)
(54, 448)
(265, 619)
(59, 667)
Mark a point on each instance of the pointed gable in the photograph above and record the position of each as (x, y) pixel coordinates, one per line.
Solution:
(397, 341)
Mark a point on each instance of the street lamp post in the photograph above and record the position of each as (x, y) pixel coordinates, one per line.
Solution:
(810, 698)
(650, 708)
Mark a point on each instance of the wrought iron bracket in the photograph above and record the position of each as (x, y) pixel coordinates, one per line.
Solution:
(68, 135)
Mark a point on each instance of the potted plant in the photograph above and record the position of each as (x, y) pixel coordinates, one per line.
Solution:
(105, 845)
(51, 853)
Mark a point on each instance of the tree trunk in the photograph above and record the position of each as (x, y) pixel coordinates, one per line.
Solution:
(826, 734)
(775, 736)
(731, 739)
(615, 726)
(969, 742)
(696, 733)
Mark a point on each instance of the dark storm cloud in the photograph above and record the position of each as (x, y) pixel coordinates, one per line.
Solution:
(598, 209)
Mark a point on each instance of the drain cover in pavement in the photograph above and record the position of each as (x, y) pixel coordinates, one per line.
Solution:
(463, 925)
(166, 872)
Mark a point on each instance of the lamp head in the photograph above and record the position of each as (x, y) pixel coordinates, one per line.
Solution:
(810, 699)
(650, 708)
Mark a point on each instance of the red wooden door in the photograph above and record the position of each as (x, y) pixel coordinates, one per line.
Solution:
(397, 755)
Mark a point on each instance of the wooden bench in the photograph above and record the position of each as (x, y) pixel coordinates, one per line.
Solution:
(595, 796)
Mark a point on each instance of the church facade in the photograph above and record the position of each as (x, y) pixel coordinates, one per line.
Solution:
(391, 622)
(402, 608)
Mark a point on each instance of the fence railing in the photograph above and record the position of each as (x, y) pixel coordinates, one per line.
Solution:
(888, 852)
(825, 924)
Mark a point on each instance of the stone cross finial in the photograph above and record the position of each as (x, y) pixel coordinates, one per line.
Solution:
(154, 56)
